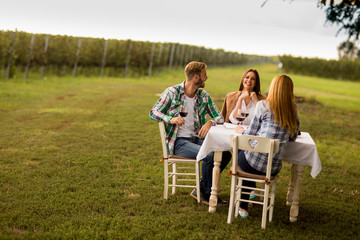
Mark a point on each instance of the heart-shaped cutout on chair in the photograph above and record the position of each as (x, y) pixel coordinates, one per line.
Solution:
(252, 143)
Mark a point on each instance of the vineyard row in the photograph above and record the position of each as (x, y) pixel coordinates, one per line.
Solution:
(25, 53)
(342, 69)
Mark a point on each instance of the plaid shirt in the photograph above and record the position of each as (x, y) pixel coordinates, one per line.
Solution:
(169, 104)
(263, 125)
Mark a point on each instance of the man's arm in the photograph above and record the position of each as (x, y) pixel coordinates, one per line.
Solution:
(205, 129)
(215, 115)
(158, 112)
(214, 112)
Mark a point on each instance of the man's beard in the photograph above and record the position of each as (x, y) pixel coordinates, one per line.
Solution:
(200, 83)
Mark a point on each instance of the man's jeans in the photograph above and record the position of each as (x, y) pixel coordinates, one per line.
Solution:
(189, 147)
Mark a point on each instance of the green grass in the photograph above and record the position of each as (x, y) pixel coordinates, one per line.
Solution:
(79, 158)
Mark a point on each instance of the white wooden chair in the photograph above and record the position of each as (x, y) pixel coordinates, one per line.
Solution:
(187, 168)
(264, 145)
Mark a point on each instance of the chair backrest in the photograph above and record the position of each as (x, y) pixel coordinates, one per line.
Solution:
(163, 139)
(263, 145)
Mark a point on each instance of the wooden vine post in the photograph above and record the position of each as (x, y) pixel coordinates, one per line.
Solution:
(171, 57)
(44, 56)
(166, 57)
(182, 56)
(159, 59)
(191, 55)
(77, 57)
(151, 59)
(176, 56)
(10, 56)
(29, 57)
(104, 58)
(127, 58)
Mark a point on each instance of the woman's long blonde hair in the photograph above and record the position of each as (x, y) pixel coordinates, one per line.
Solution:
(282, 103)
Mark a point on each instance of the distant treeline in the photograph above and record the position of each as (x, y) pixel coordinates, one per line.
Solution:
(338, 69)
(41, 55)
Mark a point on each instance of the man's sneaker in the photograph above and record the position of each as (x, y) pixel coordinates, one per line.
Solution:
(206, 200)
(243, 213)
(202, 198)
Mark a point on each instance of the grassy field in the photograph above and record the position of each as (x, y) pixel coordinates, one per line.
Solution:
(79, 159)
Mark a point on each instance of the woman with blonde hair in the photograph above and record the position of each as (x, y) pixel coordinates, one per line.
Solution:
(245, 99)
(276, 118)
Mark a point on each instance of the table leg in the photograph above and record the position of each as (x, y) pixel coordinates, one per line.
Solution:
(215, 182)
(290, 192)
(293, 195)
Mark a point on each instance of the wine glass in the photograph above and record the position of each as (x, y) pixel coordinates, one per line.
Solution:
(241, 115)
(183, 112)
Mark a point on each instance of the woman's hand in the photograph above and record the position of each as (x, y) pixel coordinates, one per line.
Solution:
(244, 95)
(254, 97)
(239, 129)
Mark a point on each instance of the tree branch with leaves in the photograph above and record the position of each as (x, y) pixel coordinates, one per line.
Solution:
(346, 14)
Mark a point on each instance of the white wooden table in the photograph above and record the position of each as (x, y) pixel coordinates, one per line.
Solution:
(300, 153)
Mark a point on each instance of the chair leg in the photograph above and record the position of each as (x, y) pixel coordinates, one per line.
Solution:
(166, 179)
(263, 187)
(272, 201)
(265, 207)
(238, 195)
(197, 168)
(174, 178)
(232, 199)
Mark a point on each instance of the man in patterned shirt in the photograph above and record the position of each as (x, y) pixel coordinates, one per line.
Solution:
(185, 133)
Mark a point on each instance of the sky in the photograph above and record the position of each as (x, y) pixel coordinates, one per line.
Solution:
(294, 27)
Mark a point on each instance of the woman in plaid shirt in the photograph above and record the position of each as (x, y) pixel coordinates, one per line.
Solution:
(276, 118)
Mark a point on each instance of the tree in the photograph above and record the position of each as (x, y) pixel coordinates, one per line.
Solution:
(346, 14)
(348, 50)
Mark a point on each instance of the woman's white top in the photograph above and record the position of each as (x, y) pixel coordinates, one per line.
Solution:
(250, 108)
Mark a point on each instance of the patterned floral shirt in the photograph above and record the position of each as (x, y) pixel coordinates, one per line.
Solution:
(263, 125)
(169, 105)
